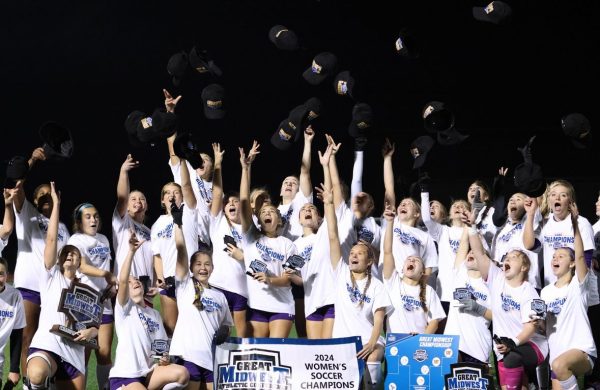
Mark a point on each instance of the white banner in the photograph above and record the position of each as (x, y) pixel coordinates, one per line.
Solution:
(287, 364)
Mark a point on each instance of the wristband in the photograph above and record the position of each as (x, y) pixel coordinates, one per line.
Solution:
(472, 230)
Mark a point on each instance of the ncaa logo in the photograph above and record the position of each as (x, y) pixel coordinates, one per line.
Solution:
(420, 355)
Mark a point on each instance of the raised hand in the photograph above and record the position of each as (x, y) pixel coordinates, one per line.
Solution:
(309, 134)
(218, 153)
(335, 146)
(134, 243)
(389, 214)
(54, 194)
(325, 194)
(502, 171)
(530, 204)
(170, 103)
(129, 164)
(388, 148)
(325, 157)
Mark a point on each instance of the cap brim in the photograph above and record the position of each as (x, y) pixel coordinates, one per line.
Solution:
(134, 141)
(582, 144)
(313, 78)
(213, 114)
(420, 161)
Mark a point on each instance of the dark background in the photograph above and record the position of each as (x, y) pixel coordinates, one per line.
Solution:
(88, 64)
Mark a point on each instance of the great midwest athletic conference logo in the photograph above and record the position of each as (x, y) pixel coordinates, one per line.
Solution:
(254, 369)
(466, 376)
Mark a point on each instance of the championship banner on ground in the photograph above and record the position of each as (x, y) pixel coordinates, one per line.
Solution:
(419, 362)
(288, 364)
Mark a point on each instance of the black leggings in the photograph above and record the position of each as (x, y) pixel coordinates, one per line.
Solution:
(523, 356)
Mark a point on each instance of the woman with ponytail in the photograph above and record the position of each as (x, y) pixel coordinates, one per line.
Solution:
(361, 302)
(417, 308)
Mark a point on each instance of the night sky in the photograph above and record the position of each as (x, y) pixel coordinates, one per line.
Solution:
(87, 65)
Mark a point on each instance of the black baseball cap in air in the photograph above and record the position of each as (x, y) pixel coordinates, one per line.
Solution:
(406, 45)
(177, 66)
(437, 117)
(213, 97)
(362, 120)
(186, 147)
(578, 128)
(496, 12)
(284, 136)
(283, 38)
(419, 149)
(315, 108)
(323, 65)
(57, 141)
(202, 63)
(450, 137)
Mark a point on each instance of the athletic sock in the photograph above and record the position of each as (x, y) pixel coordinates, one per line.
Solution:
(174, 386)
(374, 374)
(102, 372)
(569, 384)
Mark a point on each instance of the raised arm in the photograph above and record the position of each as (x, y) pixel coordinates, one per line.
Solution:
(182, 269)
(325, 192)
(217, 189)
(483, 261)
(305, 182)
(37, 155)
(186, 186)
(123, 291)
(531, 206)
(581, 268)
(246, 162)
(123, 184)
(463, 249)
(336, 185)
(170, 104)
(388, 172)
(388, 238)
(8, 223)
(357, 172)
(50, 255)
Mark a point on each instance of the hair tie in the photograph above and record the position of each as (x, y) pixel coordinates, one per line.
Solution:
(79, 209)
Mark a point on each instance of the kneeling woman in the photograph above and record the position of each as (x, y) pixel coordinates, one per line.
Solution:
(204, 312)
(140, 330)
(51, 356)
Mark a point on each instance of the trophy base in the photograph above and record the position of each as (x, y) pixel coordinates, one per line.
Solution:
(70, 334)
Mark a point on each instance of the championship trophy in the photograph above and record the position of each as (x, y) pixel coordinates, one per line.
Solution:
(538, 309)
(256, 266)
(294, 263)
(460, 295)
(83, 307)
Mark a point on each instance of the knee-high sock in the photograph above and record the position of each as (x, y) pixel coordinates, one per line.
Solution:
(174, 386)
(102, 372)
(570, 383)
(374, 374)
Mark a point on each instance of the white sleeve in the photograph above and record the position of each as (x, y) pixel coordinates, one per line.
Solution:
(20, 321)
(357, 171)
(433, 228)
(435, 311)
(430, 255)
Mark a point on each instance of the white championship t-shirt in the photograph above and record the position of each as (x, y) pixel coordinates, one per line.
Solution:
(163, 239)
(567, 322)
(228, 273)
(52, 283)
(316, 273)
(12, 316)
(510, 237)
(475, 338)
(142, 264)
(410, 241)
(352, 319)
(290, 215)
(273, 252)
(195, 329)
(511, 307)
(31, 228)
(97, 250)
(408, 315)
(141, 333)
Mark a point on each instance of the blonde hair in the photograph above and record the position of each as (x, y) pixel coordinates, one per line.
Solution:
(544, 206)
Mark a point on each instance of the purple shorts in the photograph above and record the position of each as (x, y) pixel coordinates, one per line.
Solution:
(267, 316)
(64, 370)
(327, 311)
(30, 295)
(197, 373)
(116, 383)
(235, 301)
(107, 319)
